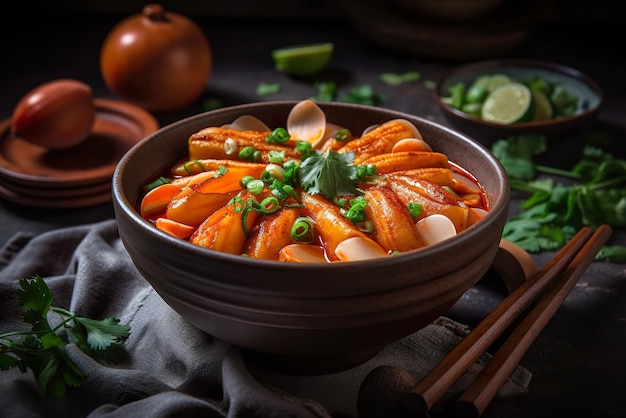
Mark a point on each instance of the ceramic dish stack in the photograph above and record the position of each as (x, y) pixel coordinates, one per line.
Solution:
(74, 177)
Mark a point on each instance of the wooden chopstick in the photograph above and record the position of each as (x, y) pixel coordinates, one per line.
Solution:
(435, 384)
(483, 389)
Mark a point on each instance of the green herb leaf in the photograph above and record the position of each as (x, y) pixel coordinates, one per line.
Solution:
(103, 333)
(516, 154)
(397, 79)
(40, 348)
(330, 174)
(326, 91)
(365, 95)
(593, 194)
(265, 89)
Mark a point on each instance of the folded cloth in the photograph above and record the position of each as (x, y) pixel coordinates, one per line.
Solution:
(168, 367)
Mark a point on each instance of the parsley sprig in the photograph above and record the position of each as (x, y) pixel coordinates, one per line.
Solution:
(591, 193)
(39, 349)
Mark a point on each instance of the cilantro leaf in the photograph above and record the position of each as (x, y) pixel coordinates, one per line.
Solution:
(104, 333)
(396, 79)
(516, 154)
(593, 194)
(365, 95)
(40, 348)
(35, 298)
(330, 174)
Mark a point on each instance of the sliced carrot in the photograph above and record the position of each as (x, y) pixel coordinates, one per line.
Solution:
(229, 181)
(156, 200)
(192, 208)
(225, 230)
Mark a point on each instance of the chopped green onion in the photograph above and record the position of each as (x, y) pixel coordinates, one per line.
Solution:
(290, 172)
(305, 149)
(340, 201)
(255, 186)
(197, 163)
(266, 177)
(303, 230)
(356, 212)
(294, 205)
(245, 180)
(238, 204)
(366, 172)
(342, 135)
(230, 146)
(278, 135)
(254, 205)
(269, 205)
(276, 157)
(450, 189)
(244, 222)
(275, 171)
(365, 226)
(221, 170)
(415, 209)
(247, 152)
(283, 191)
(158, 182)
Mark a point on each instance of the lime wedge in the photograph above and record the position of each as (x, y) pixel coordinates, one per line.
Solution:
(508, 104)
(303, 60)
(497, 80)
(542, 109)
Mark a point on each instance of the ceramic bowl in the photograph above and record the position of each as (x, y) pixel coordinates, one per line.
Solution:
(589, 93)
(307, 318)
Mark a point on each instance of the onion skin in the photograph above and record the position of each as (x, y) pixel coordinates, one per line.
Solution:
(55, 115)
(158, 60)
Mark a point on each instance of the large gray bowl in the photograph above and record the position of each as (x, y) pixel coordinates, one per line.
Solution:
(307, 318)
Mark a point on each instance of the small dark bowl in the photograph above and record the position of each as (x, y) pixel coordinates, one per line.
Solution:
(308, 318)
(519, 69)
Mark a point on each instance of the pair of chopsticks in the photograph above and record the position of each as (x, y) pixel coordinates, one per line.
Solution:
(558, 276)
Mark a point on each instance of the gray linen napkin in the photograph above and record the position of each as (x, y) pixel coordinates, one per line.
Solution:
(168, 367)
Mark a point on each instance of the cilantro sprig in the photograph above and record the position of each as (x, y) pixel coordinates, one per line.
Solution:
(40, 348)
(591, 193)
(330, 174)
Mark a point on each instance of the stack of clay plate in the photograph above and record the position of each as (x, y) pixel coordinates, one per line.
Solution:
(74, 177)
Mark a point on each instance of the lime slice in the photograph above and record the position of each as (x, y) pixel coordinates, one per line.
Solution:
(303, 60)
(498, 80)
(508, 104)
(542, 109)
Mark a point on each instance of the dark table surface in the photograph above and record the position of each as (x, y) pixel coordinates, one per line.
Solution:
(577, 362)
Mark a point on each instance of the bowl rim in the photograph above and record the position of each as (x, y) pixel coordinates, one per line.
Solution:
(525, 63)
(123, 203)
